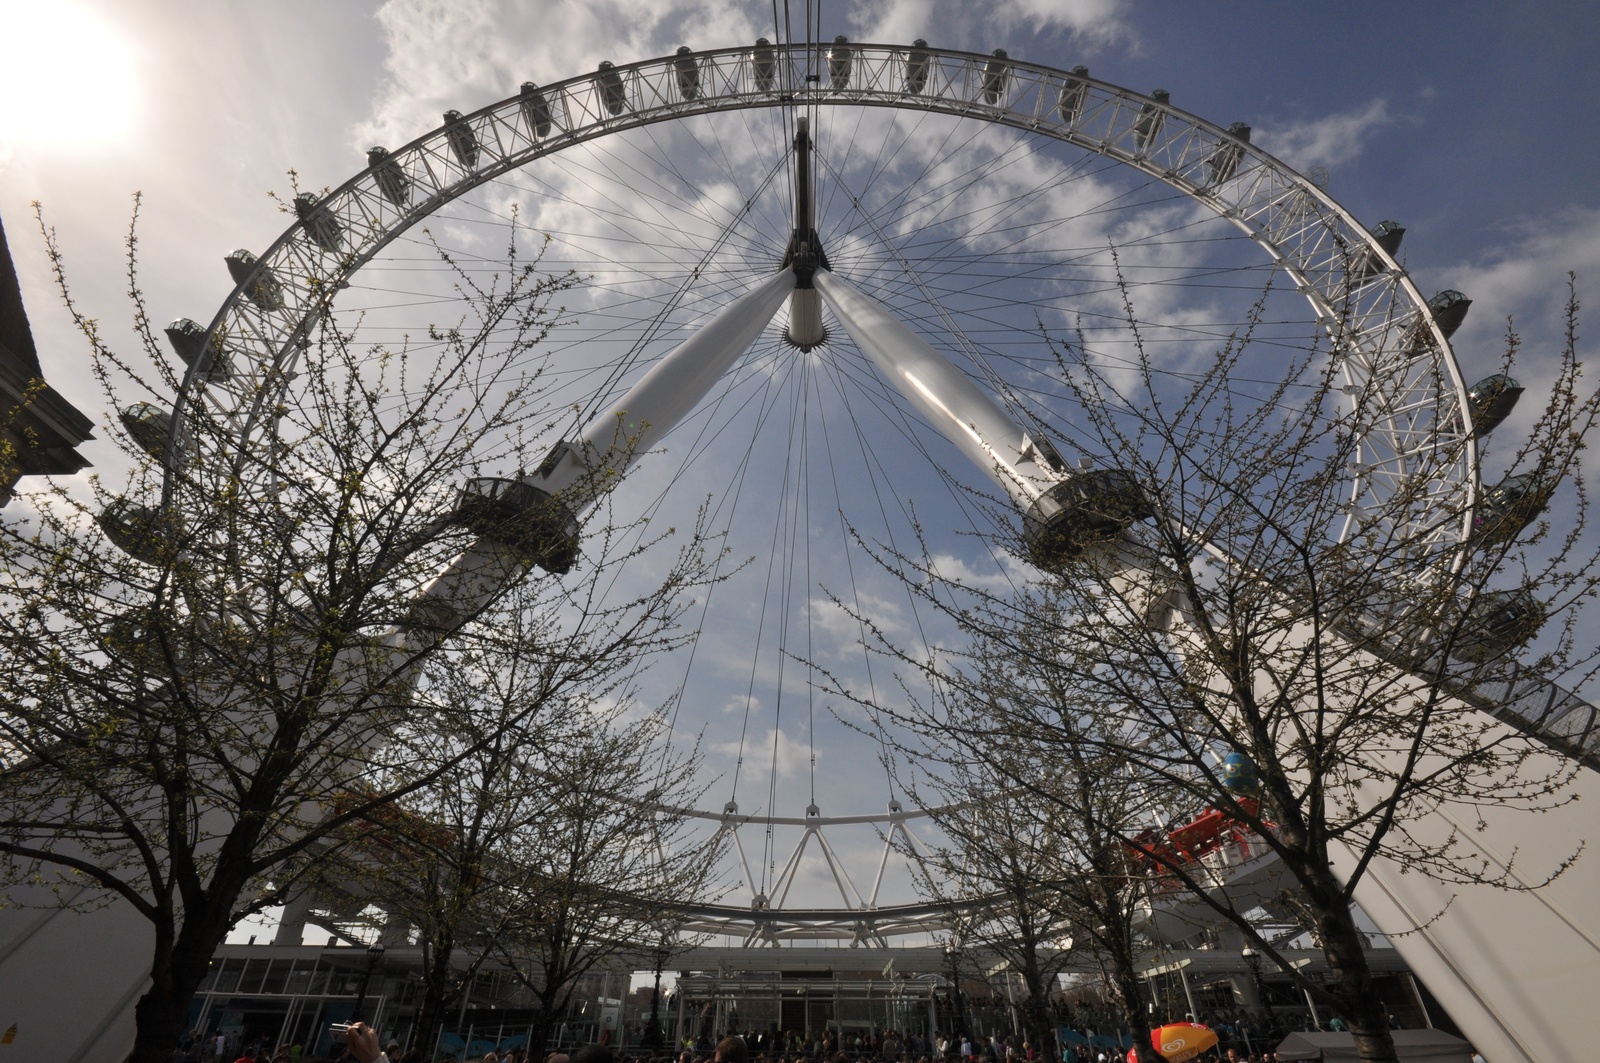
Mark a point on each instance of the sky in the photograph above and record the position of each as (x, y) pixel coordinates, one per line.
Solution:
(1477, 126)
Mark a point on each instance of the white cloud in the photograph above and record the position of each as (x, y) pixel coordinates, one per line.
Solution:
(1327, 141)
(462, 53)
(832, 619)
(1012, 574)
(1523, 279)
(742, 703)
(981, 27)
(1526, 274)
(774, 750)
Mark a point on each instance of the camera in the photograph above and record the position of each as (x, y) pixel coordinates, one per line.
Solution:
(340, 1032)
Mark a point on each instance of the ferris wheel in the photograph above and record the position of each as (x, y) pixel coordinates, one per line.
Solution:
(830, 287)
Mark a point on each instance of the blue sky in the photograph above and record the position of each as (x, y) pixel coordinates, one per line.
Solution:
(1476, 126)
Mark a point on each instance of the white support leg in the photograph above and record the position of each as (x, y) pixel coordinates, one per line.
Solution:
(785, 879)
(950, 401)
(841, 877)
(665, 395)
(611, 443)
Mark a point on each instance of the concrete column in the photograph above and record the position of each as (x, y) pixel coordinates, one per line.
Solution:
(292, 924)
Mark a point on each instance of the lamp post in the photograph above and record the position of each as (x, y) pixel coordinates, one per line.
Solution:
(653, 1036)
(1253, 959)
(953, 955)
(374, 954)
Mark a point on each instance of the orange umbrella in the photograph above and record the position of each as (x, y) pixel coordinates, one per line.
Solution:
(1178, 1041)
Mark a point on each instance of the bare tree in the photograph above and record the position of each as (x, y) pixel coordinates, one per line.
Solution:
(1038, 864)
(604, 867)
(993, 870)
(1210, 610)
(558, 743)
(191, 699)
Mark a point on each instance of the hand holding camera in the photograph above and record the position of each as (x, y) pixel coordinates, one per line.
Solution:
(359, 1038)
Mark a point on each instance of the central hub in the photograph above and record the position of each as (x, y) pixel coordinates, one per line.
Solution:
(804, 253)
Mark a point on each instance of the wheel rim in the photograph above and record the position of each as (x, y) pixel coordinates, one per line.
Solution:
(985, 278)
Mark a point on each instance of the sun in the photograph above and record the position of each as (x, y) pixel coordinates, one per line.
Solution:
(67, 79)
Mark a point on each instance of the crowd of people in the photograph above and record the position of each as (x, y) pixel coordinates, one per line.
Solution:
(1241, 1039)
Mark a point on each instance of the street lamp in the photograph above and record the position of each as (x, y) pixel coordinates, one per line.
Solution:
(653, 1037)
(1253, 959)
(952, 953)
(374, 954)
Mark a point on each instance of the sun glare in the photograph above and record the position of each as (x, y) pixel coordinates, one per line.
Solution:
(66, 77)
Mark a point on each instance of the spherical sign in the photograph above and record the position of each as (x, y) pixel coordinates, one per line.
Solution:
(1239, 773)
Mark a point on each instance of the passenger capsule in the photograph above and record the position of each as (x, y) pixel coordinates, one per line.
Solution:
(149, 426)
(263, 288)
(1491, 401)
(530, 521)
(918, 60)
(839, 63)
(1498, 622)
(1387, 235)
(1225, 160)
(1092, 505)
(994, 77)
(321, 226)
(1074, 91)
(1510, 506)
(1449, 309)
(1152, 116)
(535, 110)
(138, 531)
(764, 65)
(612, 93)
(688, 69)
(188, 339)
(462, 140)
(392, 181)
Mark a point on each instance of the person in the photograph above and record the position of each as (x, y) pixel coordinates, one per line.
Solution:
(362, 1042)
(731, 1049)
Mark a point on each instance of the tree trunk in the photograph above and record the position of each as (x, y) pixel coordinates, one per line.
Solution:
(159, 1020)
(539, 1035)
(1036, 1024)
(175, 975)
(1126, 982)
(436, 998)
(1351, 986)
